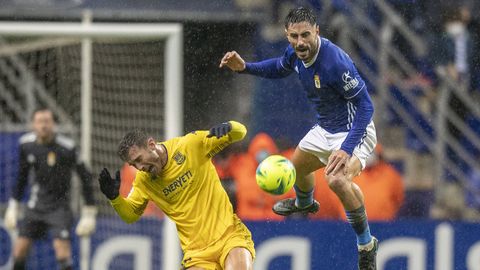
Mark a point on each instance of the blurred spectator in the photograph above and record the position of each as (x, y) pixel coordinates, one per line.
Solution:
(454, 52)
(454, 39)
(252, 202)
(382, 187)
(127, 174)
(459, 45)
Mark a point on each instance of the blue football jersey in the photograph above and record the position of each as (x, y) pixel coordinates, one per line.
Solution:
(330, 81)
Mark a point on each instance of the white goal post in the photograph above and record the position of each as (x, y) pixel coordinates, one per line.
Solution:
(172, 33)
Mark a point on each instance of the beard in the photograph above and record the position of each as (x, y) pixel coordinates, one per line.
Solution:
(307, 51)
(303, 53)
(153, 171)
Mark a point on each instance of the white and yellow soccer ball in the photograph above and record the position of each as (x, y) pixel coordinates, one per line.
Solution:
(275, 175)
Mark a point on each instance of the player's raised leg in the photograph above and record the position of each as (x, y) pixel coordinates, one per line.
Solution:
(348, 192)
(305, 164)
(352, 199)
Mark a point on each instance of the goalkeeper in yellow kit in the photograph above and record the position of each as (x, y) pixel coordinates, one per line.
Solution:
(179, 177)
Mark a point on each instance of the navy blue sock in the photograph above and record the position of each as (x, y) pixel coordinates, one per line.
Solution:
(304, 199)
(358, 220)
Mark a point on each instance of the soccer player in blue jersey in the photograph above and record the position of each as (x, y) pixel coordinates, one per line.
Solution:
(344, 135)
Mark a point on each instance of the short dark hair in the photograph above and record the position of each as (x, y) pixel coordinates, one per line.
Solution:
(42, 109)
(136, 137)
(300, 14)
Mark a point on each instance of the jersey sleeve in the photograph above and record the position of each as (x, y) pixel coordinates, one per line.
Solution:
(130, 209)
(345, 76)
(213, 145)
(273, 68)
(86, 178)
(22, 177)
(362, 118)
(287, 61)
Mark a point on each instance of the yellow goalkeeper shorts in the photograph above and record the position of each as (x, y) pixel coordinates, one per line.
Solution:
(213, 257)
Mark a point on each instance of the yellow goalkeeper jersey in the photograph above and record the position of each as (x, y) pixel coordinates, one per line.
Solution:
(188, 190)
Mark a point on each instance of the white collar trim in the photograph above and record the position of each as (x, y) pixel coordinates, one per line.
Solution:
(307, 65)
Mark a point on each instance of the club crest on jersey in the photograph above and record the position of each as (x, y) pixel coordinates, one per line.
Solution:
(349, 81)
(316, 79)
(51, 159)
(179, 158)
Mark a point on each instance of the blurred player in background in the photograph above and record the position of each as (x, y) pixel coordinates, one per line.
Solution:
(344, 135)
(179, 177)
(50, 157)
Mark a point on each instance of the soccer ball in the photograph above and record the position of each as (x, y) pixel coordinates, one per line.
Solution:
(275, 175)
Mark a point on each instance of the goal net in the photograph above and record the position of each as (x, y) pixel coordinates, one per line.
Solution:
(100, 80)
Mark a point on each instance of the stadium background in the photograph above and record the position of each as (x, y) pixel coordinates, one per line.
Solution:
(435, 147)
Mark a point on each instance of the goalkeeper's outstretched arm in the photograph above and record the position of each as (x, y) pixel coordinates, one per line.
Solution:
(129, 209)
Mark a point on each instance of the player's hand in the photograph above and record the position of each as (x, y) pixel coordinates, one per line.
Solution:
(11, 215)
(336, 161)
(108, 185)
(88, 221)
(233, 61)
(220, 130)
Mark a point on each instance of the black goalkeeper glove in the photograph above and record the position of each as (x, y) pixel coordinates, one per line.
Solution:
(220, 130)
(109, 186)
